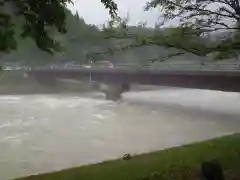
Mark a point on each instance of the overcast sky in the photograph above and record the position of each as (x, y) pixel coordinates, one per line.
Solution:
(93, 11)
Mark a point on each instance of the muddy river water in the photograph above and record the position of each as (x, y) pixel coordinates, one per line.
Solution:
(42, 133)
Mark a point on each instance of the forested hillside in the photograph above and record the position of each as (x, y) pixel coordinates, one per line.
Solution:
(79, 39)
(82, 39)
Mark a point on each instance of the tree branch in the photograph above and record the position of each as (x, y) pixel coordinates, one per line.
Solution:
(161, 59)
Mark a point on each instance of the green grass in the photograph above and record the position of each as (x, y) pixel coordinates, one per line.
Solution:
(172, 164)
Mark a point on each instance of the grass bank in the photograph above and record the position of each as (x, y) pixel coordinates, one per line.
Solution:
(171, 164)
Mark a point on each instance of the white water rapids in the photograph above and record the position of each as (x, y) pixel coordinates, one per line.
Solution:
(42, 133)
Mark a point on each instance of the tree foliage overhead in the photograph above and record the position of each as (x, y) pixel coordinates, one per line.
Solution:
(40, 18)
(205, 16)
(201, 27)
(199, 21)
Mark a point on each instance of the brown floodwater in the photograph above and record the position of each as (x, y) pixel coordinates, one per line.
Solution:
(42, 133)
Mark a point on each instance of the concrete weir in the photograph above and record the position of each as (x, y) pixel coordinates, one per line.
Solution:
(194, 79)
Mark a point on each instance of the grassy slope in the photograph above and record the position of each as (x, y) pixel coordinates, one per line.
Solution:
(175, 163)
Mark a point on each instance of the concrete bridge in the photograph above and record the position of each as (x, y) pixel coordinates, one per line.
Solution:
(115, 81)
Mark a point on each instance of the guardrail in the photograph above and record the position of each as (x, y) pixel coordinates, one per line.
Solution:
(163, 66)
(205, 66)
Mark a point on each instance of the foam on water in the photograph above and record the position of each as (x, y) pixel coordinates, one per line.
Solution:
(204, 99)
(42, 133)
(10, 98)
(57, 102)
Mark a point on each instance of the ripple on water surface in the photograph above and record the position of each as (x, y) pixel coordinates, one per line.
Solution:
(41, 133)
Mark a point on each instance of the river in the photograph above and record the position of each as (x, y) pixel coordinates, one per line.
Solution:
(42, 133)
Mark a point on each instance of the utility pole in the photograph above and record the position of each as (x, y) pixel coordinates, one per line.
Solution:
(90, 78)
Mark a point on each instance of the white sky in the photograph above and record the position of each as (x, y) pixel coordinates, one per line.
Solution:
(93, 11)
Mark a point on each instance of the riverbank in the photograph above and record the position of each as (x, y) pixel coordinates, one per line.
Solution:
(175, 163)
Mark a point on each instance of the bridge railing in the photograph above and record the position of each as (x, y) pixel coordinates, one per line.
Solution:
(189, 66)
(166, 66)
(195, 67)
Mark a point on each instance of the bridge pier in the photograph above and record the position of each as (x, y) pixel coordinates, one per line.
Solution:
(113, 91)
